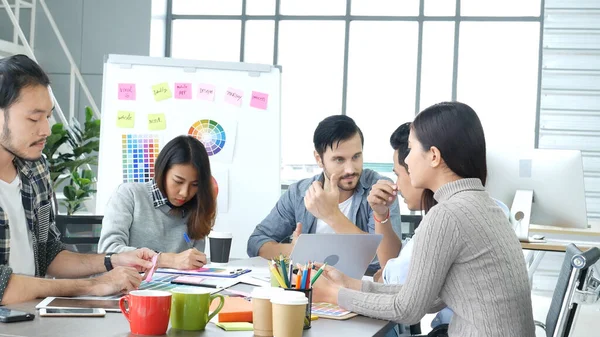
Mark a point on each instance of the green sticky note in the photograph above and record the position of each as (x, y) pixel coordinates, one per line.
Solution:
(125, 119)
(235, 326)
(157, 122)
(161, 91)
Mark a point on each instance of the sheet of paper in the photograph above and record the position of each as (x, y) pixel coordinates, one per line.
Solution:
(157, 122)
(126, 119)
(206, 92)
(183, 90)
(127, 91)
(259, 100)
(161, 91)
(234, 96)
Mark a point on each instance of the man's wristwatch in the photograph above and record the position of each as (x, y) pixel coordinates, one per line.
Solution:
(107, 262)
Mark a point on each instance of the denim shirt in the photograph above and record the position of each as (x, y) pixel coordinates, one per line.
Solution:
(280, 224)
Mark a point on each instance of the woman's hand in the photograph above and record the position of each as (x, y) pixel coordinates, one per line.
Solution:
(186, 260)
(338, 278)
(378, 276)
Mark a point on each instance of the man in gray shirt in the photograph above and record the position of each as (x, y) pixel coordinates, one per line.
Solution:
(334, 201)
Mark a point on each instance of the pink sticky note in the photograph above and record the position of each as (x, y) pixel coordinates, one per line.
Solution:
(234, 96)
(206, 92)
(127, 91)
(259, 100)
(183, 91)
(152, 269)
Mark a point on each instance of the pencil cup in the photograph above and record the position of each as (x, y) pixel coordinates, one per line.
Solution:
(274, 282)
(307, 315)
(289, 309)
(262, 310)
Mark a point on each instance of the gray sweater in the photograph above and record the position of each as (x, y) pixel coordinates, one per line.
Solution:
(137, 216)
(465, 256)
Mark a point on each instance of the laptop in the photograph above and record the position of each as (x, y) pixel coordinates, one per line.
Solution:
(349, 253)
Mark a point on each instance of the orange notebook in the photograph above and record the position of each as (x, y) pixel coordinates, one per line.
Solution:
(235, 309)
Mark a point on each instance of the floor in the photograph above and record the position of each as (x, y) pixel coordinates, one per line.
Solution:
(544, 281)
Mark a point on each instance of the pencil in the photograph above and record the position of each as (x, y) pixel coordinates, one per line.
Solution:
(307, 285)
(284, 272)
(298, 278)
(276, 274)
(303, 282)
(319, 272)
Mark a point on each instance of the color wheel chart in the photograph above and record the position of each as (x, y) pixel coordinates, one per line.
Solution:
(139, 154)
(210, 133)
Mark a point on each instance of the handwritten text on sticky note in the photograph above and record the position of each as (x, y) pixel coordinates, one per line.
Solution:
(234, 96)
(161, 91)
(183, 90)
(206, 92)
(259, 100)
(157, 122)
(125, 119)
(127, 91)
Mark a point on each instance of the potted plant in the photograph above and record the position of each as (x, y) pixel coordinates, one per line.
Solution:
(72, 163)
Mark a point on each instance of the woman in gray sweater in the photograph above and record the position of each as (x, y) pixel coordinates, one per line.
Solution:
(171, 214)
(465, 254)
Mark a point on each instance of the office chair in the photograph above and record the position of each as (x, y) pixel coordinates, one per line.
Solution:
(578, 283)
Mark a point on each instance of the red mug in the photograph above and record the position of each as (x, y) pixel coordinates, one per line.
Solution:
(148, 311)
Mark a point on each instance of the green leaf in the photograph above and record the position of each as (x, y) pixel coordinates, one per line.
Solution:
(69, 192)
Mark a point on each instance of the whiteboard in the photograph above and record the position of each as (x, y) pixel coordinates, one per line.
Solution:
(234, 108)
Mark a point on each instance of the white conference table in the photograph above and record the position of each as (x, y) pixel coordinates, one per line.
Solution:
(115, 324)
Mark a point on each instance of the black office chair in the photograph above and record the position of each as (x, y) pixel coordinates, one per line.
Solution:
(72, 238)
(578, 283)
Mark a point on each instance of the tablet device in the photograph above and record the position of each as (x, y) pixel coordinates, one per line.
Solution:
(74, 303)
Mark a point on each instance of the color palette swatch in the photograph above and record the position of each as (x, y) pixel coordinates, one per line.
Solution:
(210, 133)
(328, 310)
(139, 153)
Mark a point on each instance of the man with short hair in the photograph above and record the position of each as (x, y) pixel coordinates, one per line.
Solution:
(334, 201)
(30, 246)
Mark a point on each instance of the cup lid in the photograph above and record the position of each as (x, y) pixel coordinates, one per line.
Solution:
(220, 235)
(289, 298)
(264, 293)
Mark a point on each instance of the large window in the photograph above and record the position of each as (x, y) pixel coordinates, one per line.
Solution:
(378, 61)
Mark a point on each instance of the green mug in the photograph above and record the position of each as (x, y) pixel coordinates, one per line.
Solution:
(190, 306)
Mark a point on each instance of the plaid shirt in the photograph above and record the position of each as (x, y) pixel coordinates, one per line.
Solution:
(36, 193)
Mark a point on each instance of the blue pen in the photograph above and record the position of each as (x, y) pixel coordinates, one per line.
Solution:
(187, 239)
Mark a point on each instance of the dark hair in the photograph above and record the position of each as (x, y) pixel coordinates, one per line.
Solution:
(333, 130)
(201, 208)
(399, 142)
(18, 72)
(455, 129)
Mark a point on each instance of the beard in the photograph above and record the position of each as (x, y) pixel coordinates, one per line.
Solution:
(341, 184)
(6, 144)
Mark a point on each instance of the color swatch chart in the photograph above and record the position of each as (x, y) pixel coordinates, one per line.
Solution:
(326, 309)
(139, 154)
(210, 133)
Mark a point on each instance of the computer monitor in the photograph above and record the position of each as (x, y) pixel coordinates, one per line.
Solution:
(553, 177)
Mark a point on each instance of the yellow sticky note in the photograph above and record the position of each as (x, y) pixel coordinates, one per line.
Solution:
(161, 91)
(157, 122)
(125, 119)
